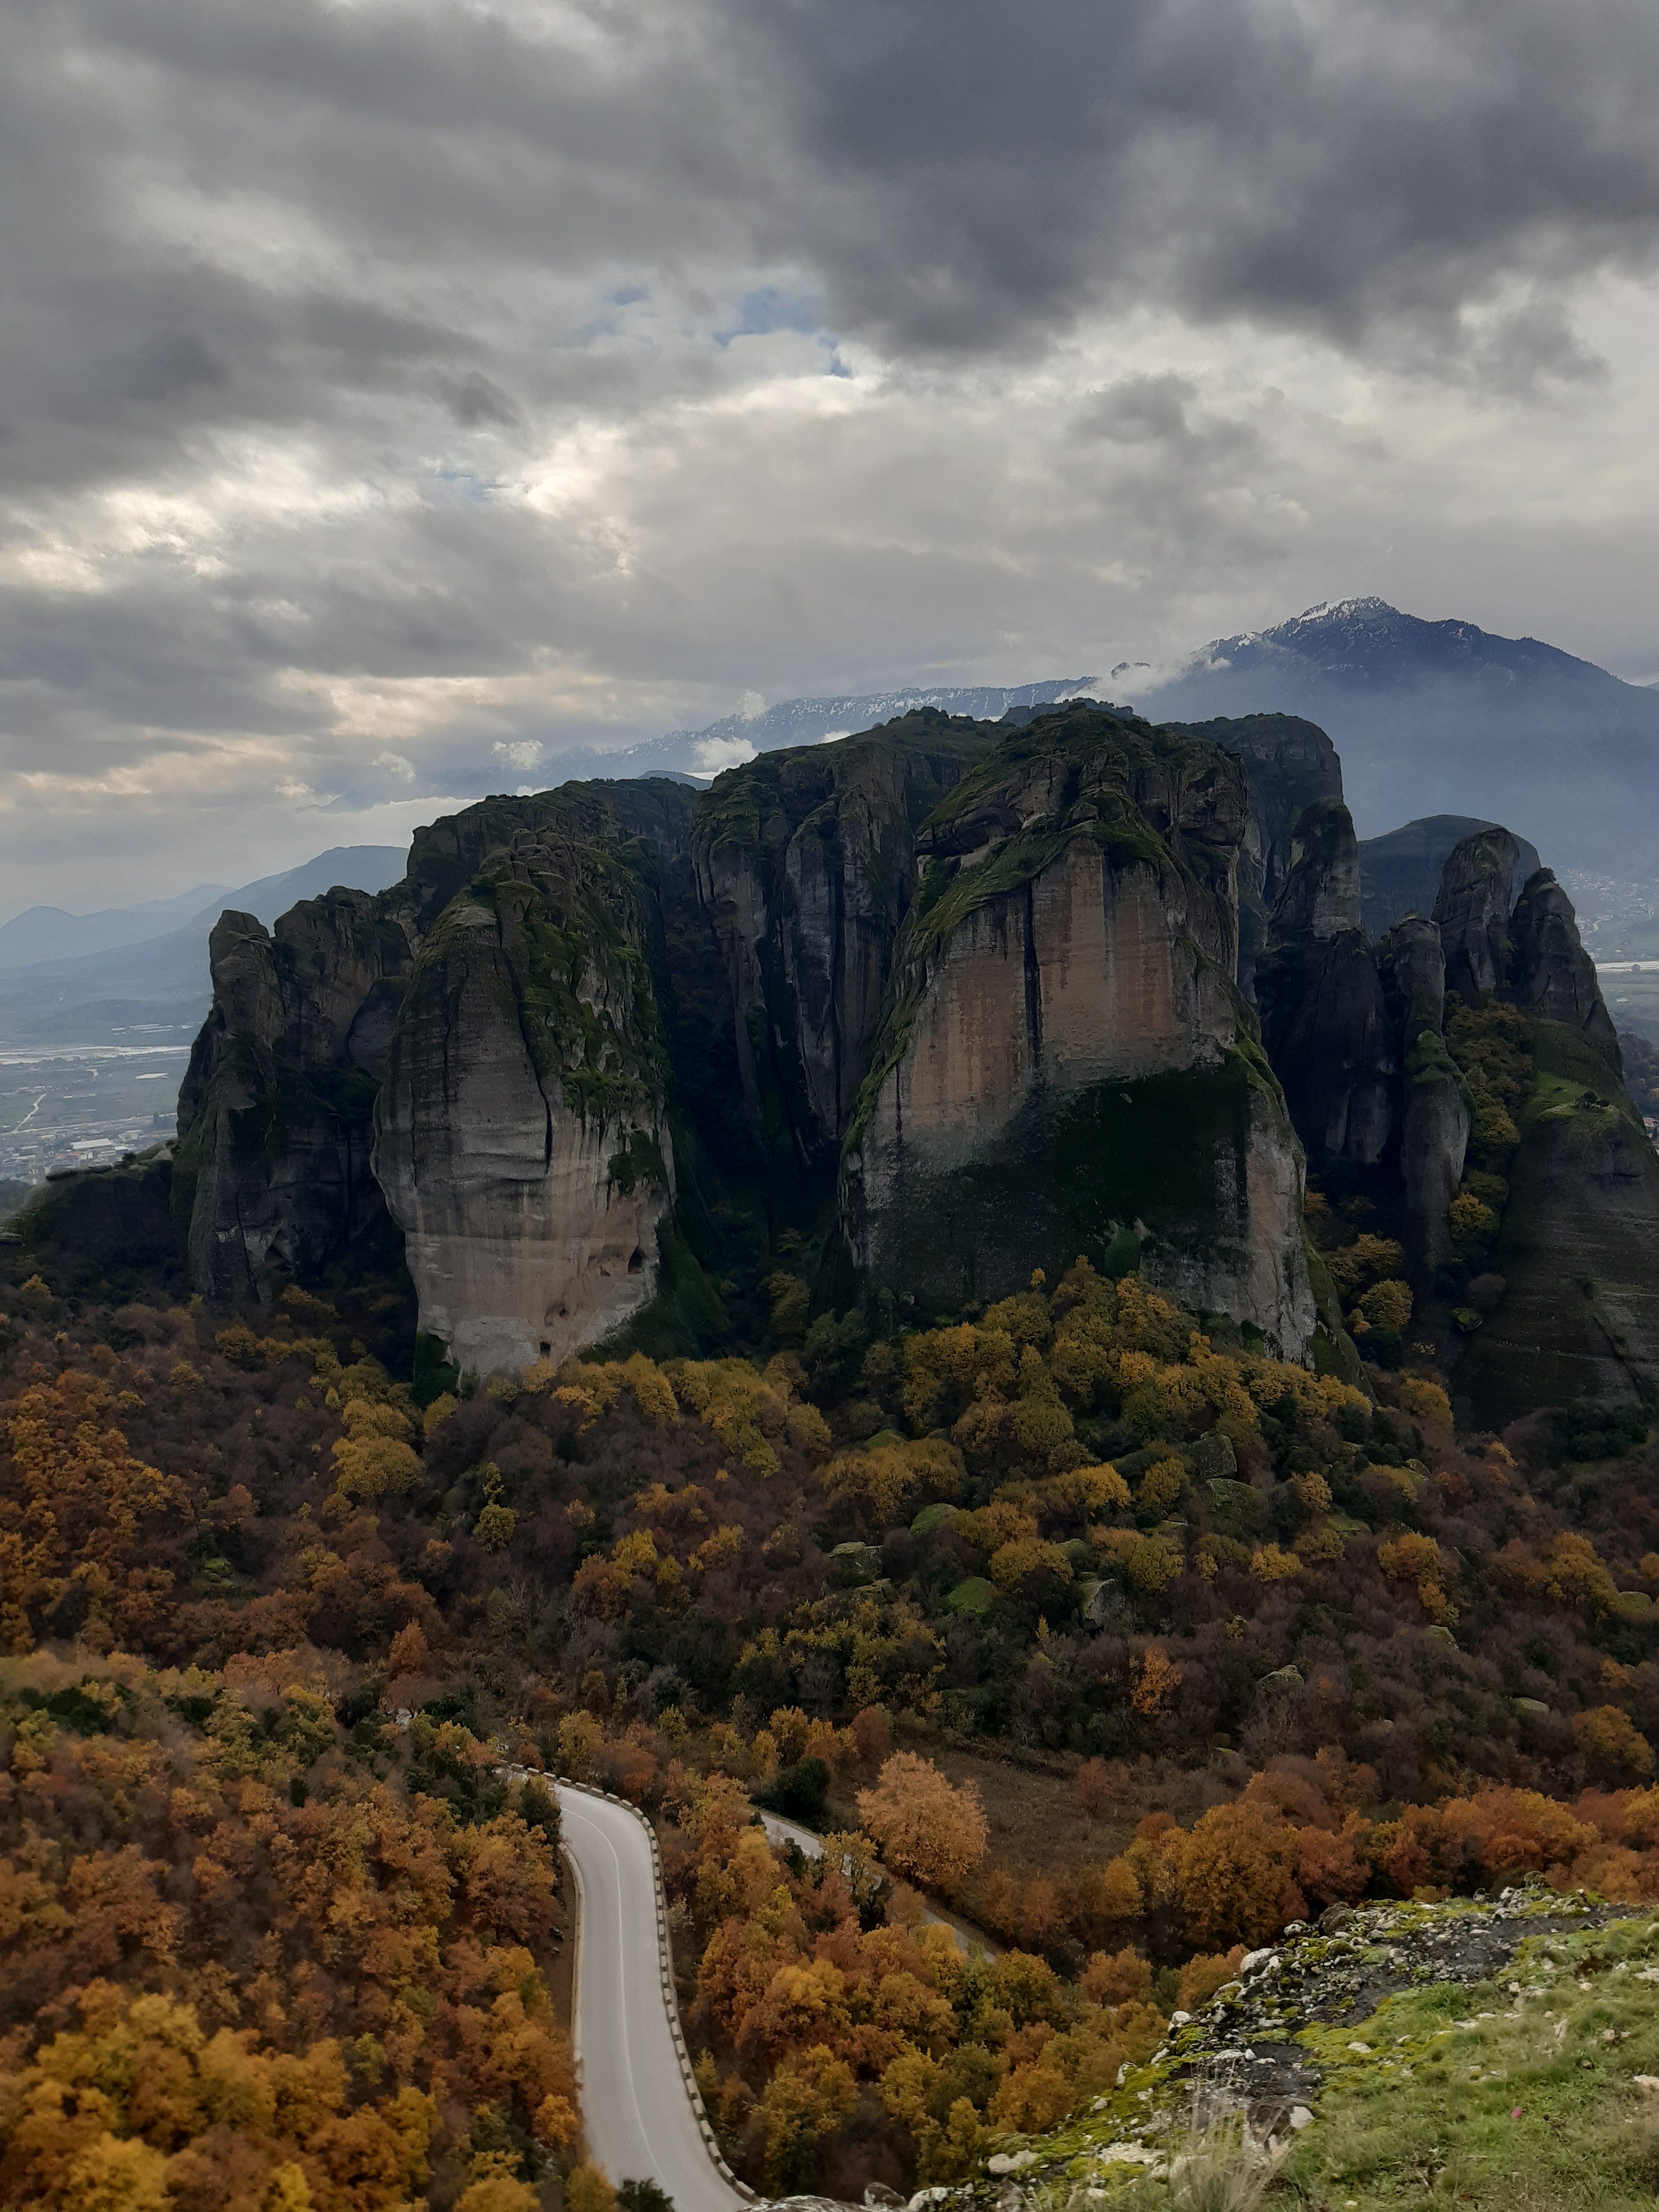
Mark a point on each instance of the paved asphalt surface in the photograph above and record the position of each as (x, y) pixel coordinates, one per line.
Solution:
(969, 1938)
(639, 2118)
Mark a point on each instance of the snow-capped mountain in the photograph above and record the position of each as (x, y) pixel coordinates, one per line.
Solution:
(702, 753)
(1444, 717)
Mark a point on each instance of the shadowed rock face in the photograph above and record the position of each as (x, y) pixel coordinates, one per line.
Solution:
(1292, 766)
(1399, 872)
(1471, 913)
(272, 1175)
(1580, 1314)
(501, 992)
(1554, 976)
(1324, 1021)
(805, 863)
(1434, 1124)
(1065, 1059)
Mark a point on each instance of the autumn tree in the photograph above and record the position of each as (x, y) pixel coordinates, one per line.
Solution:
(926, 1829)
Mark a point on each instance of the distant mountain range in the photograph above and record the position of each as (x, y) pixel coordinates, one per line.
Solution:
(698, 755)
(144, 969)
(48, 933)
(1431, 718)
(1444, 718)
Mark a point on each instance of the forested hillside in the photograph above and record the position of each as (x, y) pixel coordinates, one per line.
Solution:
(1250, 1640)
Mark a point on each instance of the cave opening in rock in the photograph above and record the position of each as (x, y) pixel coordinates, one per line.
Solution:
(637, 1261)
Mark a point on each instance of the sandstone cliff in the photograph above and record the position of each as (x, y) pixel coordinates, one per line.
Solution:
(613, 1029)
(1066, 1063)
(521, 1137)
(1292, 766)
(806, 864)
(525, 1059)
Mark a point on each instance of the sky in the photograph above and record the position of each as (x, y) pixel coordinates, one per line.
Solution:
(392, 389)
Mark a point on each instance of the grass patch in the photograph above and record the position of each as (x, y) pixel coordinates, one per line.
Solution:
(1518, 2094)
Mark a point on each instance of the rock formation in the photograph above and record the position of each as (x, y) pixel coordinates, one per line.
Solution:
(1553, 975)
(272, 1178)
(1434, 1119)
(975, 990)
(503, 993)
(1325, 1025)
(521, 1135)
(1291, 765)
(1399, 872)
(1471, 913)
(1579, 1315)
(806, 862)
(1065, 1060)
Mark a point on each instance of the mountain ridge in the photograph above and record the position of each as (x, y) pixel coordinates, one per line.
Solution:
(1440, 717)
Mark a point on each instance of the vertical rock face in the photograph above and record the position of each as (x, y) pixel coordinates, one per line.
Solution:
(1292, 766)
(272, 1175)
(1554, 976)
(526, 1063)
(1065, 1060)
(1434, 1127)
(1579, 1317)
(805, 863)
(520, 1135)
(1324, 1022)
(1471, 913)
(1399, 873)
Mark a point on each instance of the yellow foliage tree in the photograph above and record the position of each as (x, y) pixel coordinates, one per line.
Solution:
(925, 1829)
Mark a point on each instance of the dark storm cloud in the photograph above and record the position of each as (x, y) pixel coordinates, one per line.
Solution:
(302, 302)
(1324, 165)
(955, 176)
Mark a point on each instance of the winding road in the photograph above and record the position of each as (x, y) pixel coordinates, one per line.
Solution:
(968, 1937)
(637, 2109)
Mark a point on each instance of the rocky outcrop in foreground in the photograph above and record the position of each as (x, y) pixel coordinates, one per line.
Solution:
(1366, 2001)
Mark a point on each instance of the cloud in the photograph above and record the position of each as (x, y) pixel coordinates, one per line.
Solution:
(525, 753)
(397, 392)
